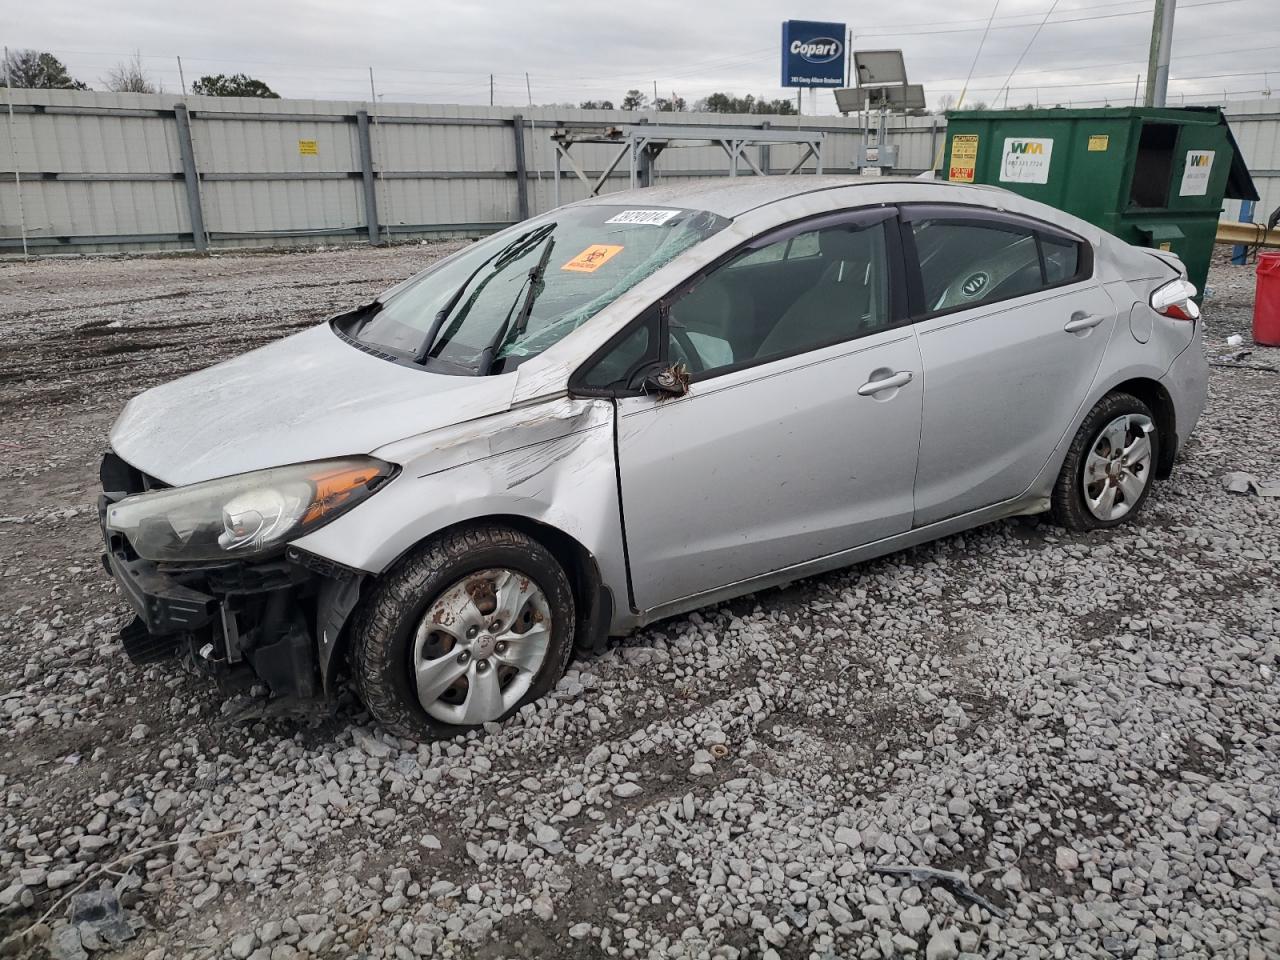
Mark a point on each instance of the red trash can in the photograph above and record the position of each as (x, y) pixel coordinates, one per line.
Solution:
(1266, 304)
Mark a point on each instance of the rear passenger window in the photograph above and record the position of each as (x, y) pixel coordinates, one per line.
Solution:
(967, 263)
(1061, 259)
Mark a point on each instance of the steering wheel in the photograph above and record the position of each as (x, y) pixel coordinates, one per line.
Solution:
(680, 338)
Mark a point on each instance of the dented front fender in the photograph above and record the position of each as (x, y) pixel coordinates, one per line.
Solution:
(550, 462)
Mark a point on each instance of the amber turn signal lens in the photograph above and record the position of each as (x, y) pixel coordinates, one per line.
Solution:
(335, 488)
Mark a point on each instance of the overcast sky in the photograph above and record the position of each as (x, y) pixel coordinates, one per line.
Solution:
(1088, 52)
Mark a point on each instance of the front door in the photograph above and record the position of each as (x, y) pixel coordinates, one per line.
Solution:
(1014, 331)
(799, 433)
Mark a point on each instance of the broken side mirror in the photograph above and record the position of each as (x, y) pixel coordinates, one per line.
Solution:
(672, 381)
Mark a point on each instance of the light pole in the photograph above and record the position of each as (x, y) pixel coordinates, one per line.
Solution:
(1158, 60)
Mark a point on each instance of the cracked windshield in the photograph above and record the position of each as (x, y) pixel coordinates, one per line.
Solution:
(510, 297)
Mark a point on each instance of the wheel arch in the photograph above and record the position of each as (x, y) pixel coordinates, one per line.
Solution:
(1154, 395)
(592, 598)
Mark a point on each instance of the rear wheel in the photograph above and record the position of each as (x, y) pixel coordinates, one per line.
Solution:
(464, 631)
(1110, 466)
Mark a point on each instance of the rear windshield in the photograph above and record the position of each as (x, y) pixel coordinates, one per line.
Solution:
(511, 296)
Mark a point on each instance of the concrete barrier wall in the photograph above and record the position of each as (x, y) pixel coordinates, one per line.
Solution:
(99, 172)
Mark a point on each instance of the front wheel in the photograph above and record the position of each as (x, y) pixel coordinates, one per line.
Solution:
(1110, 465)
(464, 631)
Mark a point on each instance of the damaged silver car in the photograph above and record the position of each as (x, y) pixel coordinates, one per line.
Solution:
(631, 407)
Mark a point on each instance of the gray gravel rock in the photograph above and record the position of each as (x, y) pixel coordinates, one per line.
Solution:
(1085, 728)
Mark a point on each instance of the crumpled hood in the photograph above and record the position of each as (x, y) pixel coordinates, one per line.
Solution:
(308, 397)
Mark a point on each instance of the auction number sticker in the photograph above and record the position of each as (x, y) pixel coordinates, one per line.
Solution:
(654, 218)
(964, 157)
(593, 258)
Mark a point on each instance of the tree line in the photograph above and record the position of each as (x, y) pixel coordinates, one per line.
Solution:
(715, 103)
(39, 70)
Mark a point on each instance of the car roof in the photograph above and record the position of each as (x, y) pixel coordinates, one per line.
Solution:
(734, 196)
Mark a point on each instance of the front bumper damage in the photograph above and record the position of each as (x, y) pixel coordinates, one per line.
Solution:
(276, 620)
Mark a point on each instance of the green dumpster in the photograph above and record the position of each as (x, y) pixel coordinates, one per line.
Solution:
(1155, 177)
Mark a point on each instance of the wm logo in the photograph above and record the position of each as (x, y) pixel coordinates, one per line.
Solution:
(1200, 161)
(1027, 148)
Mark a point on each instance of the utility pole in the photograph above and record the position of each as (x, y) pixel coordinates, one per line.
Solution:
(655, 94)
(1158, 60)
(182, 81)
(491, 89)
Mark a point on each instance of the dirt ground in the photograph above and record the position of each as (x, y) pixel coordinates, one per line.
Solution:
(1191, 587)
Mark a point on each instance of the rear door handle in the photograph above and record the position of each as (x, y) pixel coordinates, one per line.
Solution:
(1083, 321)
(892, 382)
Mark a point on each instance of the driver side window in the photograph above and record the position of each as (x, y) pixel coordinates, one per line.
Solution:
(799, 293)
(806, 290)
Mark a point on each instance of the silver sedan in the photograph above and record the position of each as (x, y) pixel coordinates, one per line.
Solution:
(631, 407)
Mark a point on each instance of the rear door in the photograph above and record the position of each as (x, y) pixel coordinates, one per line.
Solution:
(1012, 328)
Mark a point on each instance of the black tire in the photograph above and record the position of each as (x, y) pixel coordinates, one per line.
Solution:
(381, 644)
(1068, 507)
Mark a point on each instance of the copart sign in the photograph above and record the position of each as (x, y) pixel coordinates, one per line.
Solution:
(813, 54)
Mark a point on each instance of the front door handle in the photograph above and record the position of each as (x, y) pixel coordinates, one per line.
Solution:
(891, 382)
(1083, 321)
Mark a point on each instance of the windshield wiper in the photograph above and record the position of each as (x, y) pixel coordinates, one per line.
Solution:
(512, 251)
(534, 288)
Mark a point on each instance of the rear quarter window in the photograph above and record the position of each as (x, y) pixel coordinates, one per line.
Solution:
(1061, 259)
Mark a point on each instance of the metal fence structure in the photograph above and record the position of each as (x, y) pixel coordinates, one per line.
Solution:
(85, 172)
(95, 172)
(1256, 125)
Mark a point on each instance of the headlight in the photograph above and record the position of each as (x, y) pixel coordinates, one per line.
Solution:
(246, 515)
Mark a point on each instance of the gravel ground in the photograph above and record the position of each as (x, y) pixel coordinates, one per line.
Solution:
(1086, 728)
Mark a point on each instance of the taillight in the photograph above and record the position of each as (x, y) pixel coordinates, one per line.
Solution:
(1174, 300)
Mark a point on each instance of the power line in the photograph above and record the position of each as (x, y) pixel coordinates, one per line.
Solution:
(456, 84)
(1048, 13)
(976, 55)
(1009, 16)
(1126, 81)
(1052, 23)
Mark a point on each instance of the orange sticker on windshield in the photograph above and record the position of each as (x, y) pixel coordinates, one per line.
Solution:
(593, 258)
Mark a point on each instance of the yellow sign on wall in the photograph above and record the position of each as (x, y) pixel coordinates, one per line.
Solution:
(1099, 142)
(308, 148)
(964, 157)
